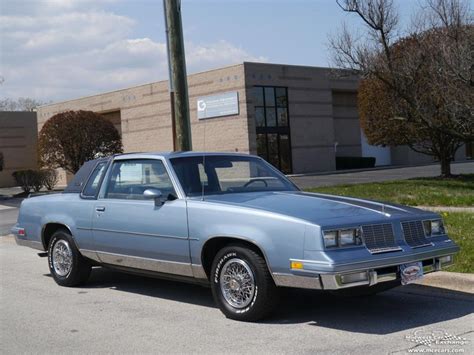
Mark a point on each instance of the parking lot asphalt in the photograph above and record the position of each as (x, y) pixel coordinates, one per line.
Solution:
(121, 313)
(8, 214)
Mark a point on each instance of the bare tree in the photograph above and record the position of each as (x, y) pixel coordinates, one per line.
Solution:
(20, 104)
(428, 73)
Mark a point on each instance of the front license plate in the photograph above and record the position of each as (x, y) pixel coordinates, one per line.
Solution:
(411, 272)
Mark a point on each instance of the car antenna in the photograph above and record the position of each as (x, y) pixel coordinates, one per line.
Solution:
(203, 160)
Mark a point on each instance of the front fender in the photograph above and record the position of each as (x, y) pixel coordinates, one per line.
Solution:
(278, 237)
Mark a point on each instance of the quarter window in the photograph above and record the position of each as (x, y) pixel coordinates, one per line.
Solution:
(92, 186)
(130, 178)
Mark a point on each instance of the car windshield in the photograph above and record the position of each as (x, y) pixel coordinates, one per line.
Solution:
(222, 174)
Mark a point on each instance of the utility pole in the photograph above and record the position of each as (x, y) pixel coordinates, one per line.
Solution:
(177, 76)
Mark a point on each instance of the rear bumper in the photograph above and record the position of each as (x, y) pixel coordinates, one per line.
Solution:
(22, 239)
(352, 275)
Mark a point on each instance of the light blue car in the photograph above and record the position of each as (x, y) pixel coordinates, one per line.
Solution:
(229, 220)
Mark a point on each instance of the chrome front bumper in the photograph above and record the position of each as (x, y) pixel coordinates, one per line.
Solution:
(366, 277)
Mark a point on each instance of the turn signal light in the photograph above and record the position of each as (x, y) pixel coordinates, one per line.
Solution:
(296, 265)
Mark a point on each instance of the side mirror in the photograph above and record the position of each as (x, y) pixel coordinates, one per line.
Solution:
(154, 194)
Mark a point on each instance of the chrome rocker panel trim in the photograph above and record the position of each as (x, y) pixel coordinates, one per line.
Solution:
(140, 263)
(134, 262)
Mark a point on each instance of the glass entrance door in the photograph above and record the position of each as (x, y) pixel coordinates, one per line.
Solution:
(273, 126)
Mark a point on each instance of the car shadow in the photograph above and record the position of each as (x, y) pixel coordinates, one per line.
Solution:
(396, 310)
(392, 311)
(150, 286)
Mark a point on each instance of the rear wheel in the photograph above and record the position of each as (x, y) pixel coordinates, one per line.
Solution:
(67, 266)
(242, 285)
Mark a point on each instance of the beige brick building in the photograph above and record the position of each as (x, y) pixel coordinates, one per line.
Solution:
(18, 140)
(299, 118)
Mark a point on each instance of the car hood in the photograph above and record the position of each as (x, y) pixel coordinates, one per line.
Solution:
(320, 209)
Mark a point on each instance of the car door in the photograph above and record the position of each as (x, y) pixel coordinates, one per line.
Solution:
(83, 211)
(132, 231)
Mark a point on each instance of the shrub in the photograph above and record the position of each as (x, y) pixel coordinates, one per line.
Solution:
(343, 163)
(69, 139)
(50, 178)
(26, 179)
(37, 180)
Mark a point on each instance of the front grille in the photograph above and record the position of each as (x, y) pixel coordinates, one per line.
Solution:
(415, 234)
(379, 238)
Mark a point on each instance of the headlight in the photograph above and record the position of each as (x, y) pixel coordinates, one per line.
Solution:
(347, 237)
(434, 227)
(342, 238)
(437, 227)
(330, 239)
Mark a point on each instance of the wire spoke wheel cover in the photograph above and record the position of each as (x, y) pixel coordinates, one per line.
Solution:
(237, 283)
(62, 258)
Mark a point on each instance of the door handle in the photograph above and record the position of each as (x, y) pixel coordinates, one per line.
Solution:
(100, 208)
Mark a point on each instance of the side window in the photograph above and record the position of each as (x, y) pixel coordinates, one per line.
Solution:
(92, 186)
(130, 178)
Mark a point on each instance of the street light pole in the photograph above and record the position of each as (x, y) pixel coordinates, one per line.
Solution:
(177, 76)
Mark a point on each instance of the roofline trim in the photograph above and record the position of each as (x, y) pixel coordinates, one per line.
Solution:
(136, 86)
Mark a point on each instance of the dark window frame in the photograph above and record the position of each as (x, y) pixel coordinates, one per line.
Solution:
(278, 130)
(469, 150)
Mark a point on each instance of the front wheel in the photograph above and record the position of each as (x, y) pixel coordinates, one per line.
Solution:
(67, 266)
(242, 285)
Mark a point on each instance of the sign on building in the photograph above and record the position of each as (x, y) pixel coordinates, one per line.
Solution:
(218, 105)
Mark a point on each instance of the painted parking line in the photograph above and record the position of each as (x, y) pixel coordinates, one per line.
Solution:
(3, 207)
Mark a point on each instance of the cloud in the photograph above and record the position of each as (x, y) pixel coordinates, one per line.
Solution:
(72, 48)
(72, 31)
(35, 7)
(218, 53)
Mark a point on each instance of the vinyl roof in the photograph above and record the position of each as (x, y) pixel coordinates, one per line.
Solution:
(176, 154)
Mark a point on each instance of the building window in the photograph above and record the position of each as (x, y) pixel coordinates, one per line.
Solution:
(273, 126)
(470, 150)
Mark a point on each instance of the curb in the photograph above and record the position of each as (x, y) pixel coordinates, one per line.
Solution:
(446, 209)
(382, 167)
(454, 281)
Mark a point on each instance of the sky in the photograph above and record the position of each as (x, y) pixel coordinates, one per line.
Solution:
(53, 50)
